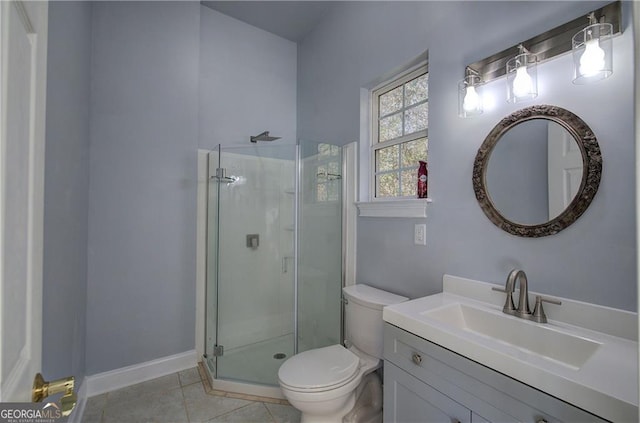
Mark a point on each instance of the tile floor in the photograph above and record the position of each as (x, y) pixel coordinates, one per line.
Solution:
(181, 398)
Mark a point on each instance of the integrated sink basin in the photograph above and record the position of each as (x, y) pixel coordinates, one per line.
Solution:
(530, 337)
(585, 355)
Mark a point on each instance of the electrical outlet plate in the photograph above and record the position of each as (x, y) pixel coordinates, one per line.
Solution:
(420, 234)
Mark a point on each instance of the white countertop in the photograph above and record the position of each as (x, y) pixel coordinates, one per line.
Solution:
(605, 385)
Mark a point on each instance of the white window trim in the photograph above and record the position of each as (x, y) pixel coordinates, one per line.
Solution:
(412, 208)
(387, 207)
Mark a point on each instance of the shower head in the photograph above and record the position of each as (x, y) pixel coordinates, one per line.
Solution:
(264, 137)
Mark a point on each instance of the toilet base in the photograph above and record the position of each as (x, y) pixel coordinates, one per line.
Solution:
(364, 405)
(336, 417)
(368, 404)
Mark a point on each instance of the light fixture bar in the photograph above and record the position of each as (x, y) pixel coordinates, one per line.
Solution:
(548, 44)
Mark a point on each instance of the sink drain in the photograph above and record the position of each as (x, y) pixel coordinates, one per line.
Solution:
(279, 356)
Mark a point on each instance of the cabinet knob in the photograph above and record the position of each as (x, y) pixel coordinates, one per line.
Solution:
(417, 358)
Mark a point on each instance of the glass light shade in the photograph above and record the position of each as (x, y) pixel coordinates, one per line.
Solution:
(522, 78)
(592, 53)
(470, 96)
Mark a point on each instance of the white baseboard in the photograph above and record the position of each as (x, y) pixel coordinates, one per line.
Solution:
(76, 415)
(130, 375)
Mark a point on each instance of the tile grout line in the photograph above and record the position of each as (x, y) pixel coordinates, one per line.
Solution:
(273, 418)
(184, 399)
(230, 412)
(104, 407)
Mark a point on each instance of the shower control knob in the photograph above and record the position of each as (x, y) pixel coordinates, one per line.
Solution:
(417, 358)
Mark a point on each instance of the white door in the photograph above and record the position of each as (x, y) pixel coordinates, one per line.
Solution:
(564, 168)
(23, 47)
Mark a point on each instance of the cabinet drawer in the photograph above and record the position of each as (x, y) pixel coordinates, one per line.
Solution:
(408, 400)
(418, 361)
(492, 395)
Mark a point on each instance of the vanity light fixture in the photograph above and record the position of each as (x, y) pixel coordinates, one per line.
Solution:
(469, 94)
(519, 64)
(522, 77)
(592, 52)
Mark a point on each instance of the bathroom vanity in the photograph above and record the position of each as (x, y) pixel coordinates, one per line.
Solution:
(425, 382)
(455, 357)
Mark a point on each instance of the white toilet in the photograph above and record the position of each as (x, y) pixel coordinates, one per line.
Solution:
(336, 384)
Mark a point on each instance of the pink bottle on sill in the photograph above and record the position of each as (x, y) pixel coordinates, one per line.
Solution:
(423, 176)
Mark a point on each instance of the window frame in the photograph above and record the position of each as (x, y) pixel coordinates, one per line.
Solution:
(376, 92)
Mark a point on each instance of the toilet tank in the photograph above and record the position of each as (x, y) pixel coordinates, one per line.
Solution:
(363, 316)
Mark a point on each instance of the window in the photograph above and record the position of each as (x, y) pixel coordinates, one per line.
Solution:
(399, 141)
(328, 171)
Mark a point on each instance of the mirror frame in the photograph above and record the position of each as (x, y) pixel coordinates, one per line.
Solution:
(591, 175)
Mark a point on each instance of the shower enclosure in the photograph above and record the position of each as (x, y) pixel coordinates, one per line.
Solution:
(274, 256)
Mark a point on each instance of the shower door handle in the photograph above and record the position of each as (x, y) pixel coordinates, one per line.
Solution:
(285, 264)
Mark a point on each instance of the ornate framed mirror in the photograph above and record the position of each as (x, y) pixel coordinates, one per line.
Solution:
(537, 171)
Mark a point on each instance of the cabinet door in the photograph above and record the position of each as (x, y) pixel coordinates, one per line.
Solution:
(408, 400)
(475, 418)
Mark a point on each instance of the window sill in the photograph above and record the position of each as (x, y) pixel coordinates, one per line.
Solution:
(413, 208)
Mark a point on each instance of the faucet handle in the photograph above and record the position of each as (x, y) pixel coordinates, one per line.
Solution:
(538, 312)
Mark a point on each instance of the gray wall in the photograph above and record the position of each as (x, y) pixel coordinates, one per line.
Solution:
(360, 43)
(66, 190)
(142, 202)
(247, 83)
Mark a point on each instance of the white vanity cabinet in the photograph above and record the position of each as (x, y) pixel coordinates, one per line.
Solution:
(424, 382)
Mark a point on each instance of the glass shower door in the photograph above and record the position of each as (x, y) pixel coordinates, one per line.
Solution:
(320, 275)
(274, 219)
(254, 294)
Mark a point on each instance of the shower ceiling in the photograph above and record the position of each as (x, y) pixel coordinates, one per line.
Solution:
(288, 19)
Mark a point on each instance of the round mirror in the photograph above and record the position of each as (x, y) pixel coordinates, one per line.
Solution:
(537, 171)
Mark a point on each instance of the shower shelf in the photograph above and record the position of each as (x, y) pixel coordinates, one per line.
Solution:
(289, 191)
(288, 228)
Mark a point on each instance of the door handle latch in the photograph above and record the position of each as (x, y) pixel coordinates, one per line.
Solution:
(42, 389)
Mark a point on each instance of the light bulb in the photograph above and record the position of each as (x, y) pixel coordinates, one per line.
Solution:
(592, 60)
(522, 83)
(471, 100)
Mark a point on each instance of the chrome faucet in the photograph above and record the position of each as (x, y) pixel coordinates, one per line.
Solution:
(523, 298)
(523, 310)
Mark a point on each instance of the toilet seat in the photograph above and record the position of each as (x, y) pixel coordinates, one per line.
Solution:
(319, 370)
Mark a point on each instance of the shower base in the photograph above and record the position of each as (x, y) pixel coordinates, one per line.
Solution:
(253, 369)
(255, 363)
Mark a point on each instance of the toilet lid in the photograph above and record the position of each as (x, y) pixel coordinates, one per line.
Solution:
(319, 368)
